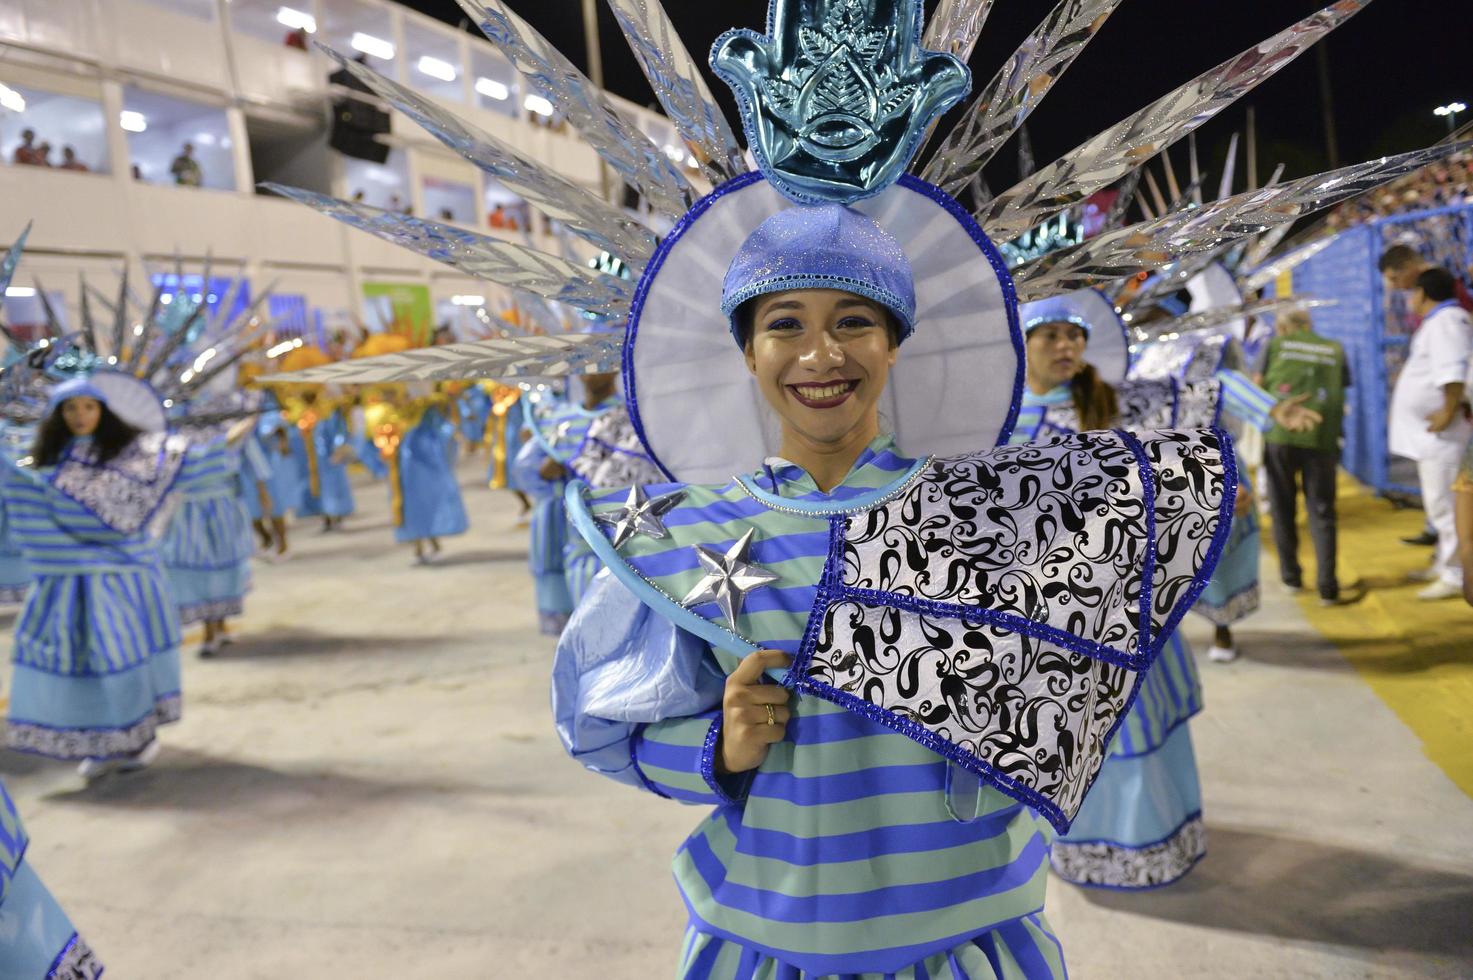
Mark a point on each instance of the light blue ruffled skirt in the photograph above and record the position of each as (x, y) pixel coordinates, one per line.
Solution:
(37, 940)
(1232, 594)
(1141, 823)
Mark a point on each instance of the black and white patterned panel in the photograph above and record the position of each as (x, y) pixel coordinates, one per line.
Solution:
(612, 455)
(128, 489)
(1190, 482)
(1149, 404)
(1197, 405)
(1052, 532)
(1033, 713)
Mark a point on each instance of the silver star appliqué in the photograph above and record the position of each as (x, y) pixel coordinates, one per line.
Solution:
(729, 577)
(640, 515)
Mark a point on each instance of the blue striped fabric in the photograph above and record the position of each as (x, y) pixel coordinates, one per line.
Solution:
(15, 574)
(207, 548)
(1170, 694)
(841, 854)
(13, 841)
(96, 644)
(1034, 416)
(1245, 401)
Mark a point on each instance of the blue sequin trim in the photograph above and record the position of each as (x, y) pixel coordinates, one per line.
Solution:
(1148, 563)
(708, 766)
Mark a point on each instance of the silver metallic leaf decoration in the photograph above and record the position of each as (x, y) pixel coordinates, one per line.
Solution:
(1168, 238)
(478, 255)
(1016, 90)
(644, 166)
(1217, 316)
(1270, 271)
(1112, 154)
(501, 358)
(680, 87)
(602, 225)
(955, 26)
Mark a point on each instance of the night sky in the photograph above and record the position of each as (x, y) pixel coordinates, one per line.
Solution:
(1389, 67)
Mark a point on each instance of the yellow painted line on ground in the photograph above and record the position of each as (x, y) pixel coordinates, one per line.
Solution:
(1416, 656)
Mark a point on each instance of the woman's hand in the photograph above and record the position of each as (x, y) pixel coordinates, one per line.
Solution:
(551, 470)
(754, 713)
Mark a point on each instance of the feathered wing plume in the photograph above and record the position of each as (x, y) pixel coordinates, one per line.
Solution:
(680, 87)
(502, 357)
(1018, 87)
(644, 166)
(594, 220)
(479, 255)
(1167, 238)
(1113, 153)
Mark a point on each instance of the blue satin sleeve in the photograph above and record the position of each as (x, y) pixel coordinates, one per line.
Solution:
(524, 472)
(622, 671)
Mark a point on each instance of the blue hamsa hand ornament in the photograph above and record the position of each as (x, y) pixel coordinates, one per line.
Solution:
(837, 97)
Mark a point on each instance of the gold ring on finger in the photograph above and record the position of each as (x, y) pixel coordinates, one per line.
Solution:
(771, 718)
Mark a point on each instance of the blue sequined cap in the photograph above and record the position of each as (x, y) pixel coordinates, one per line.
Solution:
(75, 388)
(823, 247)
(1055, 309)
(1091, 310)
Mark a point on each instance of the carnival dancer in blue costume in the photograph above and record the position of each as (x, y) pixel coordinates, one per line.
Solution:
(96, 647)
(318, 434)
(15, 574)
(207, 548)
(417, 437)
(37, 940)
(556, 435)
(475, 414)
(282, 486)
(949, 617)
(1141, 825)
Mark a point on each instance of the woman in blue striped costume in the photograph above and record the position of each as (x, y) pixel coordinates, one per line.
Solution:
(37, 940)
(207, 548)
(879, 811)
(1141, 825)
(541, 472)
(96, 647)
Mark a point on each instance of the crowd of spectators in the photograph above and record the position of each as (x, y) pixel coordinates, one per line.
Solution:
(33, 154)
(1443, 184)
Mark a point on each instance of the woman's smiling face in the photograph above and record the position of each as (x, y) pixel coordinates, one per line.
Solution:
(822, 358)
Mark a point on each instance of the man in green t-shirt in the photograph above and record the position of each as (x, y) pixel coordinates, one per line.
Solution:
(1300, 362)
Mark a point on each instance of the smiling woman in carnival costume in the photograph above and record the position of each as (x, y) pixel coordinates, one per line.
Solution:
(888, 671)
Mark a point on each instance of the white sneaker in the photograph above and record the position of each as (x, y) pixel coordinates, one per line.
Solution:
(1441, 589)
(1222, 655)
(207, 650)
(141, 759)
(91, 769)
(1428, 574)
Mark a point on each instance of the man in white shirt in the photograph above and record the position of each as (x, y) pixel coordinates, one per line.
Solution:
(1429, 417)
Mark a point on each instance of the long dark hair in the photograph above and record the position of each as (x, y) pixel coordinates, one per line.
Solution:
(113, 435)
(1094, 399)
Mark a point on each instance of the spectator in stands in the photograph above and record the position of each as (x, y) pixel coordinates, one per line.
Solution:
(297, 39)
(497, 218)
(1429, 417)
(358, 196)
(1299, 362)
(446, 214)
(27, 154)
(186, 169)
(43, 154)
(69, 160)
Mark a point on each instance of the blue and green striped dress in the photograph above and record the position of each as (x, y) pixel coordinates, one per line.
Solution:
(208, 546)
(15, 574)
(37, 940)
(853, 849)
(96, 646)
